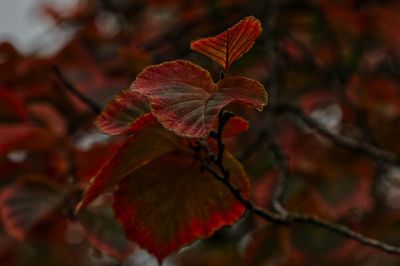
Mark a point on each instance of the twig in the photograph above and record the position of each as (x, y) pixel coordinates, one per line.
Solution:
(71, 88)
(340, 140)
(292, 218)
(287, 218)
(265, 214)
(343, 230)
(281, 186)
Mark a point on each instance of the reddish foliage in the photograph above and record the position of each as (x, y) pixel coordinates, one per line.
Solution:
(336, 60)
(185, 99)
(122, 112)
(169, 202)
(230, 45)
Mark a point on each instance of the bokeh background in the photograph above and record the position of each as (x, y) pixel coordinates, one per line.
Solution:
(337, 60)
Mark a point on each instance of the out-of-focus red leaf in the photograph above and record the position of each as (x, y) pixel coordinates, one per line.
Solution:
(235, 126)
(230, 45)
(185, 100)
(105, 233)
(23, 205)
(88, 162)
(122, 112)
(11, 107)
(149, 143)
(170, 202)
(23, 137)
(315, 99)
(49, 117)
(264, 247)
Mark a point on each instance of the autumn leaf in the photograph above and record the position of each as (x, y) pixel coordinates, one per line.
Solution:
(11, 107)
(104, 233)
(230, 45)
(244, 91)
(25, 204)
(24, 136)
(185, 99)
(122, 112)
(234, 126)
(139, 149)
(169, 202)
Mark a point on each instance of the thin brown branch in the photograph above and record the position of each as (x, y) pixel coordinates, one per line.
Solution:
(281, 186)
(71, 88)
(340, 140)
(288, 218)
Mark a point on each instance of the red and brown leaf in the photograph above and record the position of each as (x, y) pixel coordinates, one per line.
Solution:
(25, 204)
(105, 233)
(169, 202)
(139, 149)
(122, 112)
(244, 91)
(230, 45)
(24, 137)
(186, 101)
(235, 126)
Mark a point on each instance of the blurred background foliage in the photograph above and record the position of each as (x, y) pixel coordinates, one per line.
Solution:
(337, 60)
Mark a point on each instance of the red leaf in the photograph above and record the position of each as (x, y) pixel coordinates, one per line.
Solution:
(89, 161)
(11, 107)
(25, 204)
(105, 233)
(245, 91)
(24, 137)
(139, 149)
(185, 100)
(170, 202)
(230, 45)
(121, 112)
(49, 117)
(235, 126)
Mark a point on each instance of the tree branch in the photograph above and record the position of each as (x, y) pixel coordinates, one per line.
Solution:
(289, 218)
(342, 141)
(71, 88)
(281, 186)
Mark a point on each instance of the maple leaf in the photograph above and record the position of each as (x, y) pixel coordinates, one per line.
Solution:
(185, 99)
(230, 45)
(169, 202)
(122, 112)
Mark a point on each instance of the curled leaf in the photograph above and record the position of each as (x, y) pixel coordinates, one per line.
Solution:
(245, 91)
(122, 112)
